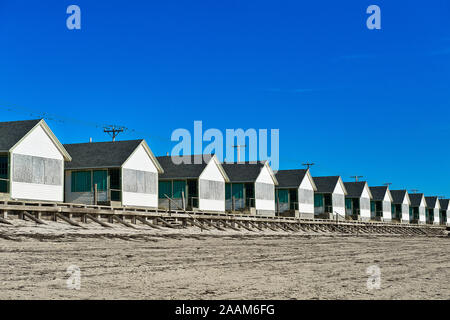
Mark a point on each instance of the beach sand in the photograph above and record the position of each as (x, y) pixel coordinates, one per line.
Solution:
(122, 263)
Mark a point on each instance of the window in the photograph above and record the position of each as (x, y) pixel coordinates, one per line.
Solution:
(81, 181)
(115, 184)
(164, 188)
(4, 176)
(348, 203)
(283, 196)
(318, 200)
(372, 206)
(101, 179)
(179, 188)
(227, 191)
(237, 190)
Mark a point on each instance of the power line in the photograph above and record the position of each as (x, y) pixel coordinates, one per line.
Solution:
(356, 177)
(113, 131)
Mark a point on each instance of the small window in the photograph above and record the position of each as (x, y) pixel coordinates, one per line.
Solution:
(348, 203)
(283, 195)
(164, 188)
(179, 188)
(318, 200)
(81, 181)
(4, 176)
(101, 179)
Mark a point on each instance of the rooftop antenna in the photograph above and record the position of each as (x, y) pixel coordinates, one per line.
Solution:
(238, 147)
(113, 131)
(308, 164)
(356, 177)
(387, 184)
(414, 190)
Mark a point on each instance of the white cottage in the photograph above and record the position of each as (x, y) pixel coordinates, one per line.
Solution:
(444, 217)
(357, 200)
(329, 198)
(417, 208)
(124, 172)
(200, 179)
(295, 193)
(251, 188)
(400, 205)
(432, 210)
(31, 162)
(381, 204)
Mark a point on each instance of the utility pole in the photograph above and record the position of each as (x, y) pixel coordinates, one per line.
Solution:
(308, 164)
(113, 131)
(387, 184)
(414, 190)
(238, 148)
(356, 177)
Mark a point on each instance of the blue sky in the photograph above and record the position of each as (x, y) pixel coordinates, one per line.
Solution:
(352, 100)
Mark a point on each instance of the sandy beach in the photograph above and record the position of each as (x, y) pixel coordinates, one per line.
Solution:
(122, 263)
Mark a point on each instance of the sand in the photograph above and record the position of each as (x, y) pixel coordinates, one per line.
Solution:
(190, 264)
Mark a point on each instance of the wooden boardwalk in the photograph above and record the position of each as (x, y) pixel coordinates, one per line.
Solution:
(78, 214)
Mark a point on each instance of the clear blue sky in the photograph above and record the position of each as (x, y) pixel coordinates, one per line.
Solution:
(352, 100)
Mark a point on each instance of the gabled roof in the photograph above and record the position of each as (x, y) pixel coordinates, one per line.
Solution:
(13, 132)
(246, 171)
(293, 178)
(328, 184)
(432, 202)
(416, 199)
(355, 189)
(191, 167)
(398, 196)
(379, 193)
(444, 203)
(111, 154)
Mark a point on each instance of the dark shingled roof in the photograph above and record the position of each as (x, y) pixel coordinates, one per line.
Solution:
(398, 196)
(12, 131)
(378, 193)
(431, 201)
(354, 189)
(243, 171)
(100, 154)
(415, 198)
(290, 178)
(190, 170)
(326, 184)
(444, 204)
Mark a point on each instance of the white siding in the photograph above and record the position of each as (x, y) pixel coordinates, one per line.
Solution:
(422, 208)
(387, 214)
(260, 204)
(338, 190)
(38, 144)
(405, 215)
(306, 207)
(212, 173)
(365, 213)
(141, 161)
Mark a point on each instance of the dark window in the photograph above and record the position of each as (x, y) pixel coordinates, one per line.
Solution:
(115, 184)
(4, 176)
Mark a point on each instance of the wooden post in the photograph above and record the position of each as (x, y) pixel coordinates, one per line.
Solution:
(95, 194)
(278, 205)
(4, 214)
(133, 219)
(233, 204)
(183, 200)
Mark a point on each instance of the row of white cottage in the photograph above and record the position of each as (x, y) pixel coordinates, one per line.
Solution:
(34, 165)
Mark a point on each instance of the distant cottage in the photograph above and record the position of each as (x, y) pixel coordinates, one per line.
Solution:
(433, 209)
(417, 208)
(201, 181)
(329, 198)
(31, 162)
(357, 200)
(295, 193)
(125, 173)
(400, 205)
(381, 203)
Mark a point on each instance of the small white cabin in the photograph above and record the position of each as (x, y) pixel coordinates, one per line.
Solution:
(400, 205)
(444, 217)
(329, 198)
(118, 173)
(417, 208)
(432, 210)
(251, 188)
(31, 162)
(200, 179)
(295, 193)
(357, 200)
(381, 204)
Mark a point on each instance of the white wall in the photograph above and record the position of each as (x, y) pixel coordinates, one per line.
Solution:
(405, 215)
(365, 213)
(260, 204)
(37, 144)
(422, 208)
(140, 160)
(212, 173)
(306, 207)
(387, 214)
(339, 209)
